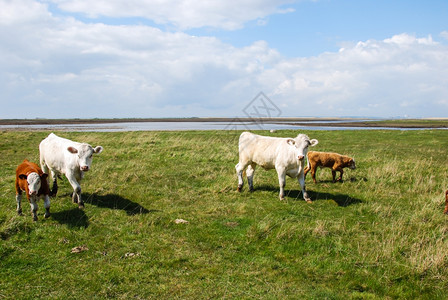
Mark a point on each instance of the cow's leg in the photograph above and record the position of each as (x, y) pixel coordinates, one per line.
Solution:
(301, 179)
(239, 172)
(34, 207)
(54, 189)
(250, 172)
(19, 204)
(47, 206)
(313, 174)
(340, 175)
(282, 183)
(76, 196)
(307, 169)
(333, 173)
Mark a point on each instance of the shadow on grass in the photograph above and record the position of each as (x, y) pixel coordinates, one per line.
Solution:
(74, 217)
(342, 200)
(348, 179)
(114, 201)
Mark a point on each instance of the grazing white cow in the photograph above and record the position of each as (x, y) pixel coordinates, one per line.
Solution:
(63, 156)
(285, 155)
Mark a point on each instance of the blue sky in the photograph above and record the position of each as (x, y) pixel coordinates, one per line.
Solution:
(315, 27)
(183, 58)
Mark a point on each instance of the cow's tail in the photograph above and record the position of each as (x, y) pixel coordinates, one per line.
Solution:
(43, 165)
(308, 164)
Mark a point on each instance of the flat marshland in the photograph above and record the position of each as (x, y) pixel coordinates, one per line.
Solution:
(379, 234)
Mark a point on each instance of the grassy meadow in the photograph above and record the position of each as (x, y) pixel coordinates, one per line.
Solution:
(380, 234)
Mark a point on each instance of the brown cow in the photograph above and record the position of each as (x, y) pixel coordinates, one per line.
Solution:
(334, 161)
(31, 179)
(446, 203)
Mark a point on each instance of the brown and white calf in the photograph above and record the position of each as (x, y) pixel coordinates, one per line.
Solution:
(33, 181)
(334, 161)
(285, 155)
(446, 203)
(63, 156)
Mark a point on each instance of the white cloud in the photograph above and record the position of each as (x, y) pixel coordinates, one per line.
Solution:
(405, 39)
(444, 34)
(60, 67)
(183, 14)
(13, 12)
(101, 70)
(374, 78)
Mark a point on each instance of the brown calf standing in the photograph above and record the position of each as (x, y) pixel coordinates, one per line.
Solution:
(334, 161)
(31, 179)
(446, 203)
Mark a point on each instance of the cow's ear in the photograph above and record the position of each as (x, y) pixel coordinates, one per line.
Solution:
(314, 142)
(291, 142)
(72, 150)
(98, 149)
(22, 176)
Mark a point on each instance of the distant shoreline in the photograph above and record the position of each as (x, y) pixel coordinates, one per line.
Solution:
(38, 121)
(376, 124)
(298, 121)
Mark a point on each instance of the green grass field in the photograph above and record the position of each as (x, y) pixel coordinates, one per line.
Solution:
(380, 234)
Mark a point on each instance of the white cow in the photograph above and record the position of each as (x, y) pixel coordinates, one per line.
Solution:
(286, 155)
(63, 156)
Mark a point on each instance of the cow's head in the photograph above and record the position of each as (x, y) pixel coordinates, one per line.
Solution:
(85, 155)
(301, 144)
(351, 164)
(34, 181)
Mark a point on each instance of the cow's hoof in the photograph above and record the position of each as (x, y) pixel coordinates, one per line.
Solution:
(308, 200)
(251, 190)
(239, 189)
(81, 206)
(34, 218)
(19, 212)
(47, 215)
(53, 192)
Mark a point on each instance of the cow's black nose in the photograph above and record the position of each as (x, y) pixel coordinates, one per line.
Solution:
(300, 157)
